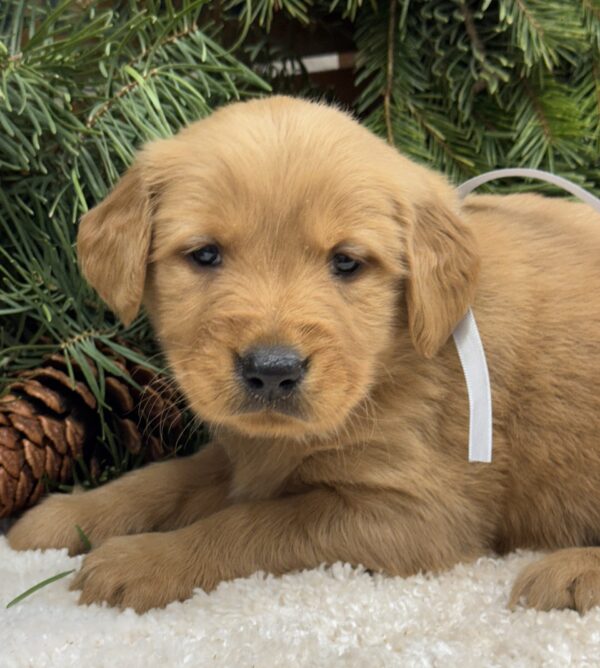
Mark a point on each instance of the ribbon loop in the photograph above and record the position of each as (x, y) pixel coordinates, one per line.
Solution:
(466, 335)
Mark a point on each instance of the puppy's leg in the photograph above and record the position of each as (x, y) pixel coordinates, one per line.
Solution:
(163, 495)
(277, 536)
(567, 578)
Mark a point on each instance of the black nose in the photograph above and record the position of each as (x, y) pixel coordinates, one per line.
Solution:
(272, 372)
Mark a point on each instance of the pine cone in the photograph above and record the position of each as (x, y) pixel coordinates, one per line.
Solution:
(46, 423)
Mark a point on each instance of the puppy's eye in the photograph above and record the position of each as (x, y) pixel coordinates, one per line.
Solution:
(344, 265)
(207, 256)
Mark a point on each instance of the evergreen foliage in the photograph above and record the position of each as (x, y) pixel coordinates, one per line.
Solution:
(462, 85)
(472, 85)
(82, 87)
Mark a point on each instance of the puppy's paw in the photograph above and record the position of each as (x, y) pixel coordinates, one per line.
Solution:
(568, 578)
(139, 572)
(51, 524)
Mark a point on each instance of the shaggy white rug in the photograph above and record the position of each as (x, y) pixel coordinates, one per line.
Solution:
(326, 617)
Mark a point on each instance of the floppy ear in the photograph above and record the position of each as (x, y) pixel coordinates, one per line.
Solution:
(444, 265)
(113, 245)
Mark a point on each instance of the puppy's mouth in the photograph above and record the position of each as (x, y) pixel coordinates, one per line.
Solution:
(276, 411)
(286, 415)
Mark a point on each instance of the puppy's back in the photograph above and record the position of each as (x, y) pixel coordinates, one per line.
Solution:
(538, 309)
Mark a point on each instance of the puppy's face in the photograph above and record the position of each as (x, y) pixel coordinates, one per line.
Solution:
(274, 283)
(275, 246)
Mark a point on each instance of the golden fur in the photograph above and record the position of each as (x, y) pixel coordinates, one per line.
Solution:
(374, 470)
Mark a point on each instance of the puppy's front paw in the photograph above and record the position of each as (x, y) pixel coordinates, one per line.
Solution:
(139, 572)
(568, 578)
(51, 525)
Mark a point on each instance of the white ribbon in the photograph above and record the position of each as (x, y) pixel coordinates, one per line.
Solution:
(466, 335)
(472, 357)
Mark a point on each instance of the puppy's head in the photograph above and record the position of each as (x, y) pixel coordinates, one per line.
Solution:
(282, 252)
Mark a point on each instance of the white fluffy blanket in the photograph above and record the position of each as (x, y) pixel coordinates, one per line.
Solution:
(338, 616)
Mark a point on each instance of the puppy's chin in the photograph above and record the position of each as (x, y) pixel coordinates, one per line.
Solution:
(270, 423)
(274, 424)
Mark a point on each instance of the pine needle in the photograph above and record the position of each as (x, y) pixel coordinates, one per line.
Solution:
(38, 586)
(84, 539)
(87, 545)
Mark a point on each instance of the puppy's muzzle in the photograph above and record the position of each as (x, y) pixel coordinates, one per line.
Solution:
(271, 374)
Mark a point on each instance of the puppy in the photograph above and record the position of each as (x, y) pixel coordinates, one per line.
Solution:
(304, 280)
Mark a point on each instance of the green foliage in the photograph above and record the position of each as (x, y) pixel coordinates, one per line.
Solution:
(82, 87)
(261, 11)
(476, 84)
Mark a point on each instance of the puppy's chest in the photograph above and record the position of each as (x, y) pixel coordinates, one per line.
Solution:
(247, 484)
(261, 470)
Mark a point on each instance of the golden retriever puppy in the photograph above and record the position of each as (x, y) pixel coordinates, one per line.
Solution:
(304, 280)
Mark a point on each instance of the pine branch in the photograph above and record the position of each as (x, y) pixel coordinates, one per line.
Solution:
(389, 83)
(545, 31)
(75, 104)
(262, 11)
